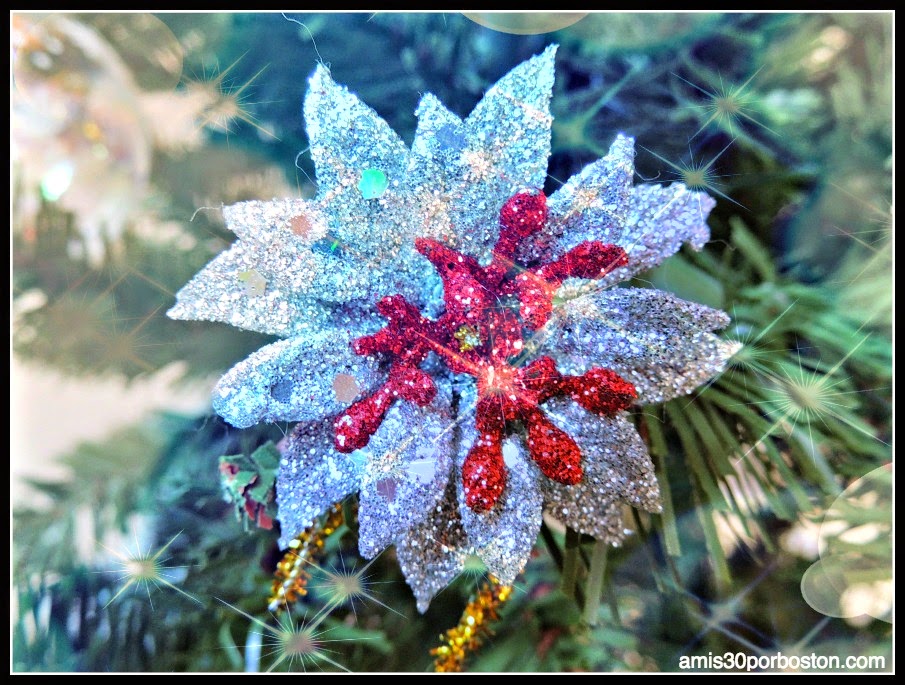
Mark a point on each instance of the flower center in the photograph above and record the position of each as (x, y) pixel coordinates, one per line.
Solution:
(497, 380)
(480, 333)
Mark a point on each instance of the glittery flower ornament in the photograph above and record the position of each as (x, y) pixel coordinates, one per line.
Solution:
(451, 347)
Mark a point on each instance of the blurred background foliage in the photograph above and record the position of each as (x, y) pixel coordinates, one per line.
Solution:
(129, 131)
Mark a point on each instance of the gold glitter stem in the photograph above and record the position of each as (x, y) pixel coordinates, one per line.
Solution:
(458, 643)
(290, 579)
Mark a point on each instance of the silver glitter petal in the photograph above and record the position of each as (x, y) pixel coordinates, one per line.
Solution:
(346, 138)
(655, 340)
(592, 205)
(312, 477)
(508, 145)
(295, 380)
(314, 264)
(650, 222)
(504, 536)
(617, 471)
(433, 552)
(435, 172)
(439, 137)
(409, 460)
(216, 293)
(659, 220)
(376, 233)
(264, 223)
(221, 292)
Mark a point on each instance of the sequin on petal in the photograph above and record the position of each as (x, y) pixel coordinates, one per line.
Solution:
(373, 184)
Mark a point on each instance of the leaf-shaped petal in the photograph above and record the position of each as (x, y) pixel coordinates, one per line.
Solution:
(591, 205)
(433, 552)
(505, 535)
(375, 222)
(348, 138)
(301, 379)
(236, 288)
(312, 477)
(506, 150)
(217, 293)
(439, 138)
(617, 471)
(295, 250)
(435, 172)
(650, 222)
(653, 339)
(659, 221)
(409, 460)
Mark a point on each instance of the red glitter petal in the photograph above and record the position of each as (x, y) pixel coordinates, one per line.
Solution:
(543, 378)
(466, 300)
(412, 384)
(553, 450)
(536, 296)
(523, 215)
(355, 426)
(503, 332)
(490, 419)
(601, 391)
(404, 317)
(590, 259)
(484, 475)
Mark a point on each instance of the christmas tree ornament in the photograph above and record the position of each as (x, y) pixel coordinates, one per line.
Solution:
(454, 346)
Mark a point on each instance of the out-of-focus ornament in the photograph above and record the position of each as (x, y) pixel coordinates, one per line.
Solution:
(94, 96)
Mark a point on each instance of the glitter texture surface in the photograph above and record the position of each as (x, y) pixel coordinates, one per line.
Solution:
(617, 471)
(313, 476)
(504, 536)
(661, 344)
(409, 461)
(450, 349)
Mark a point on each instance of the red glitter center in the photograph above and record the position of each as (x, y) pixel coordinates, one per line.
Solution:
(480, 333)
